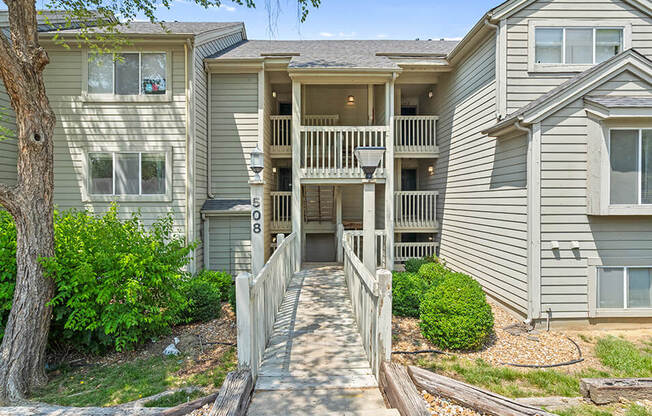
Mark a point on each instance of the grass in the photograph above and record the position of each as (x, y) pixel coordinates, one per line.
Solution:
(120, 383)
(624, 357)
(588, 410)
(174, 399)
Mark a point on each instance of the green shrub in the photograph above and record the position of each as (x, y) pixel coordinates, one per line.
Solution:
(455, 314)
(413, 265)
(220, 280)
(434, 273)
(8, 266)
(204, 301)
(117, 282)
(407, 291)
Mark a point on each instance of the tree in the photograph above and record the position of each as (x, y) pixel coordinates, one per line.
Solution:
(30, 201)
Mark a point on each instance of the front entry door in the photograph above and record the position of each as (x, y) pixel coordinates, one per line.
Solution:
(408, 179)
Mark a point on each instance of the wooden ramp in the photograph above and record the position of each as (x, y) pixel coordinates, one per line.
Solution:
(315, 362)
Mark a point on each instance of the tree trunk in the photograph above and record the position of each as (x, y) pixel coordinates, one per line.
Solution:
(22, 352)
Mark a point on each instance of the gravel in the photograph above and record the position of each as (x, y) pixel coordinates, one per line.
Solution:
(440, 406)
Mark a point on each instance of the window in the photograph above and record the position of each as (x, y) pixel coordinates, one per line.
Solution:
(624, 287)
(128, 173)
(576, 45)
(131, 73)
(630, 160)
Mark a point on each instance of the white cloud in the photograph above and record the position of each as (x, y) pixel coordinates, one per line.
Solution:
(346, 35)
(227, 8)
(381, 36)
(326, 34)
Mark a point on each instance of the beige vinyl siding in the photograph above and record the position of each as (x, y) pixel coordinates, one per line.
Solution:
(229, 246)
(142, 126)
(234, 132)
(523, 87)
(481, 182)
(8, 147)
(563, 208)
(200, 108)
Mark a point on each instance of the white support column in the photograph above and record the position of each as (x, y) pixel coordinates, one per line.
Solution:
(369, 225)
(257, 187)
(338, 222)
(370, 104)
(243, 318)
(389, 182)
(296, 166)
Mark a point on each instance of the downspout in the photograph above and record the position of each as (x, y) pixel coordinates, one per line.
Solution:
(488, 23)
(528, 131)
(185, 83)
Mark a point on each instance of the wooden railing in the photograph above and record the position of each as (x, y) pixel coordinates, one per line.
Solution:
(328, 152)
(371, 299)
(281, 141)
(281, 211)
(321, 120)
(354, 237)
(259, 298)
(406, 251)
(415, 134)
(415, 210)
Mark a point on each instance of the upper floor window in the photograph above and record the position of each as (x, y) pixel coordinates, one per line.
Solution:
(577, 45)
(630, 158)
(128, 173)
(129, 73)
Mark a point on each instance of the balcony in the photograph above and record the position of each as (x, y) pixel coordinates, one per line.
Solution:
(415, 136)
(281, 128)
(281, 212)
(327, 152)
(406, 251)
(415, 211)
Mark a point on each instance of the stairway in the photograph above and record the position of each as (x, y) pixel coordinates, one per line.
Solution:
(314, 363)
(318, 203)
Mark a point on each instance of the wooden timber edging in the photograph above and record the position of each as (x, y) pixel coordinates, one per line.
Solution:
(400, 391)
(471, 396)
(609, 390)
(235, 394)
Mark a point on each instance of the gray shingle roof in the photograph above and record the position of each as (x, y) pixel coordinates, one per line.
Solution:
(227, 205)
(338, 53)
(619, 101)
(178, 28)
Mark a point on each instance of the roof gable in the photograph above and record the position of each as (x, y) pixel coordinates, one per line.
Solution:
(510, 7)
(580, 85)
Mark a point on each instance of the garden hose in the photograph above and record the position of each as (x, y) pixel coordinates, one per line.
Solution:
(578, 360)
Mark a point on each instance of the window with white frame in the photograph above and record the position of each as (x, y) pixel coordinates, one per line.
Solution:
(630, 160)
(577, 45)
(624, 287)
(129, 73)
(127, 173)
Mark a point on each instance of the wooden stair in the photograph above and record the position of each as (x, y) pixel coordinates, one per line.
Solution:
(318, 203)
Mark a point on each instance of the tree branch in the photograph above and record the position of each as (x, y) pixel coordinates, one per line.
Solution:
(8, 197)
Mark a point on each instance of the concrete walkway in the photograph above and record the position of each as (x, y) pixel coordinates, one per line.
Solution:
(314, 363)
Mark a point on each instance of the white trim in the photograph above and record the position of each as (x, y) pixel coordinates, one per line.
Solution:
(509, 8)
(113, 149)
(534, 221)
(501, 71)
(140, 97)
(566, 24)
(594, 263)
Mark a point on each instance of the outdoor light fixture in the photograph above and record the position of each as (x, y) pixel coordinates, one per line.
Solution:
(257, 162)
(430, 94)
(273, 170)
(369, 159)
(431, 170)
(274, 94)
(350, 100)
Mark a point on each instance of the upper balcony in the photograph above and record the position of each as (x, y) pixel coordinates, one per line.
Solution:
(415, 136)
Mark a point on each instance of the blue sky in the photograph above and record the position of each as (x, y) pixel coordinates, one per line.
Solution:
(348, 19)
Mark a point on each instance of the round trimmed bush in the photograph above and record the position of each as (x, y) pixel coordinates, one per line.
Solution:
(407, 291)
(221, 280)
(455, 314)
(434, 273)
(413, 265)
(204, 301)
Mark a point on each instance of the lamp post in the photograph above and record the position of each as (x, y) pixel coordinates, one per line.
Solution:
(256, 186)
(369, 159)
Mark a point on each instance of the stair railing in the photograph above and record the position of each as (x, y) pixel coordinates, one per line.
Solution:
(258, 300)
(371, 299)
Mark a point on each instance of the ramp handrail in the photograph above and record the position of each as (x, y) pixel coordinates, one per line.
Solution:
(258, 300)
(371, 300)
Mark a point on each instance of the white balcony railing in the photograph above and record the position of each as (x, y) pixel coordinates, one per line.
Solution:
(281, 141)
(406, 251)
(281, 211)
(321, 120)
(327, 152)
(415, 134)
(415, 210)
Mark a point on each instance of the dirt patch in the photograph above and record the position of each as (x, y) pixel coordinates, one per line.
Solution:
(510, 343)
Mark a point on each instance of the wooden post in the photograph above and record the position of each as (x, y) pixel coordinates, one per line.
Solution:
(389, 181)
(296, 170)
(369, 225)
(257, 188)
(384, 310)
(243, 316)
(338, 222)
